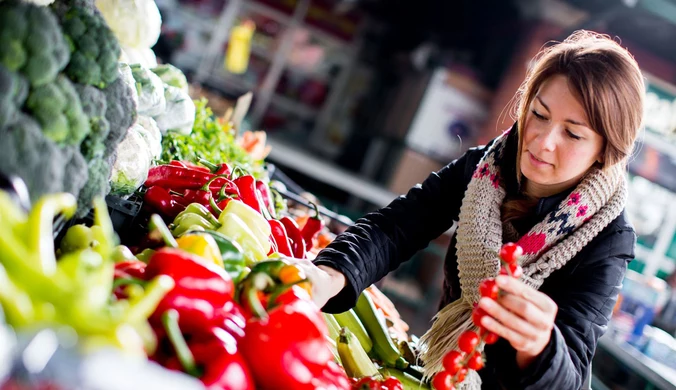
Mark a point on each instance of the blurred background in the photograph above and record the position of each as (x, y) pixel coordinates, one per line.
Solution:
(362, 99)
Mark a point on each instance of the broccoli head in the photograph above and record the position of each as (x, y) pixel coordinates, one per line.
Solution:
(97, 185)
(75, 172)
(13, 91)
(26, 152)
(94, 106)
(95, 48)
(57, 108)
(120, 113)
(33, 43)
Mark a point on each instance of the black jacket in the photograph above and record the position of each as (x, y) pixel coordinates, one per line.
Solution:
(585, 289)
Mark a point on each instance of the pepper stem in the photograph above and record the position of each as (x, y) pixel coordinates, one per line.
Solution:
(214, 206)
(127, 281)
(259, 282)
(212, 167)
(185, 356)
(279, 290)
(316, 209)
(156, 223)
(207, 185)
(238, 169)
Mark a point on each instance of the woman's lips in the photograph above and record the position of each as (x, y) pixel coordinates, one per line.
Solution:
(535, 161)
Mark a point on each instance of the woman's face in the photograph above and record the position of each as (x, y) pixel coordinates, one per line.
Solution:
(559, 146)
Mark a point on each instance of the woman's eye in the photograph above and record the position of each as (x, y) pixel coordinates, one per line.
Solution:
(537, 115)
(573, 135)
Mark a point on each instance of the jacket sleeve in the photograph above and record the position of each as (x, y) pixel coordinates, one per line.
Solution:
(377, 243)
(584, 309)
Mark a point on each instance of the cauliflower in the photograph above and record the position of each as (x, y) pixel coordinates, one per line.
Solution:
(57, 108)
(133, 161)
(32, 42)
(95, 49)
(136, 23)
(179, 116)
(147, 128)
(128, 78)
(172, 75)
(143, 57)
(150, 91)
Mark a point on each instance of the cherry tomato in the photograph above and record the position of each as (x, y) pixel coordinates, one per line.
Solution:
(453, 362)
(514, 268)
(467, 341)
(489, 337)
(510, 253)
(368, 383)
(476, 361)
(489, 289)
(460, 376)
(443, 381)
(477, 314)
(392, 383)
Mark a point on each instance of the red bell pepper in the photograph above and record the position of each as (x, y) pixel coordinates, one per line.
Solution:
(290, 329)
(296, 353)
(375, 383)
(312, 227)
(188, 164)
(213, 359)
(160, 200)
(127, 272)
(201, 289)
(177, 178)
(280, 237)
(295, 236)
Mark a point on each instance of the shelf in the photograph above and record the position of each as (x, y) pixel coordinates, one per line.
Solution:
(326, 172)
(267, 11)
(290, 105)
(227, 82)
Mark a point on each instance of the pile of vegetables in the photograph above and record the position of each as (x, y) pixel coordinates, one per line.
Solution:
(64, 105)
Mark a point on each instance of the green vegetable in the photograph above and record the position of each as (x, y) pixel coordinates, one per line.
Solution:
(120, 113)
(44, 166)
(95, 49)
(32, 42)
(171, 75)
(13, 92)
(97, 185)
(57, 108)
(94, 107)
(209, 140)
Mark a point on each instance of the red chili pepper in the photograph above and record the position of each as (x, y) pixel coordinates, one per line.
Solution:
(188, 164)
(210, 189)
(201, 289)
(296, 237)
(218, 169)
(177, 178)
(266, 196)
(213, 358)
(247, 191)
(280, 237)
(312, 227)
(163, 202)
(298, 359)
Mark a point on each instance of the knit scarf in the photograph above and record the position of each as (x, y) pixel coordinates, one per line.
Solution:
(596, 201)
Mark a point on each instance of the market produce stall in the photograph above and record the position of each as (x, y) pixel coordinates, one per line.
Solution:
(144, 237)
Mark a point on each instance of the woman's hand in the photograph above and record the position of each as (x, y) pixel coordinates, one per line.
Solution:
(521, 315)
(326, 281)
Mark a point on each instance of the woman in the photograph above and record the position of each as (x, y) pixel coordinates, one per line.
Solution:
(555, 183)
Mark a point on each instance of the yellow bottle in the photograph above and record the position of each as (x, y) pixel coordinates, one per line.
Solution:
(239, 47)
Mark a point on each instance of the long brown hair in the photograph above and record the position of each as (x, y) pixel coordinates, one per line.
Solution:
(607, 82)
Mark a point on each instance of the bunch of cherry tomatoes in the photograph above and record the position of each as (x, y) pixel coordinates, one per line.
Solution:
(469, 357)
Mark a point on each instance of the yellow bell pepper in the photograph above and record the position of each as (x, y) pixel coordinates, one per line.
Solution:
(202, 245)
